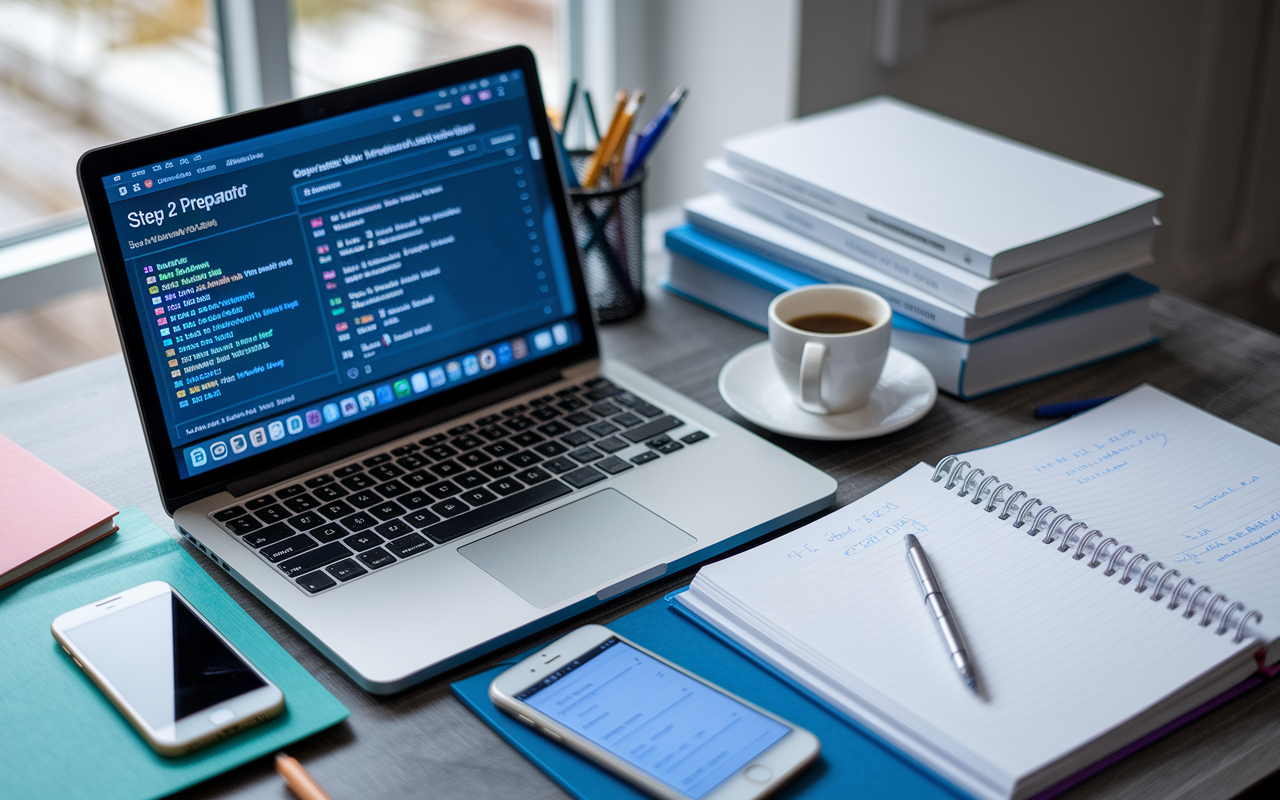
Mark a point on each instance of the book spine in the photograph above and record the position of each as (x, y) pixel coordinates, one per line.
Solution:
(884, 224)
(856, 247)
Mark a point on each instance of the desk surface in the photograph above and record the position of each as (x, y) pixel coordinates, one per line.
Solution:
(83, 421)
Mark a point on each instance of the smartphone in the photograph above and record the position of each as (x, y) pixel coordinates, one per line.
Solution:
(664, 730)
(177, 680)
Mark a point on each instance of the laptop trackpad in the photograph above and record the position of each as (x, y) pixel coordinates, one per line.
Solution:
(575, 547)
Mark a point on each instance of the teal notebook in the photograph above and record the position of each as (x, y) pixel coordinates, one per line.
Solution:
(60, 737)
(852, 764)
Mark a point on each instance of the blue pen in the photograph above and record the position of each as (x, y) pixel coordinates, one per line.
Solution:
(1067, 409)
(654, 130)
(565, 161)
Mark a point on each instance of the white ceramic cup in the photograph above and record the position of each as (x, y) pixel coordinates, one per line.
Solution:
(829, 373)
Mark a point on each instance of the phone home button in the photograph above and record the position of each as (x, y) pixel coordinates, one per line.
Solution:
(758, 773)
(222, 715)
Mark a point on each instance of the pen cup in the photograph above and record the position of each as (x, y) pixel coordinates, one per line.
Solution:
(608, 225)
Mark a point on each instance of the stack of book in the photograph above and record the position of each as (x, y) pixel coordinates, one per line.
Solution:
(1003, 263)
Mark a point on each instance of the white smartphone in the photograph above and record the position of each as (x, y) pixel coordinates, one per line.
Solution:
(177, 680)
(664, 730)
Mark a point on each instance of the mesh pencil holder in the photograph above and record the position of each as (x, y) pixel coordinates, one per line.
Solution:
(608, 226)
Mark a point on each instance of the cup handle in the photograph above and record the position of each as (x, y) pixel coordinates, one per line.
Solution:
(811, 361)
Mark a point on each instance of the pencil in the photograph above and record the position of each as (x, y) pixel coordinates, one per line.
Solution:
(298, 779)
(605, 149)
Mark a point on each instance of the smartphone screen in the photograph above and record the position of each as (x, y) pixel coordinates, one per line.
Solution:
(163, 659)
(677, 729)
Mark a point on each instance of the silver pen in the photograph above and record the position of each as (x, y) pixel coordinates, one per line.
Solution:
(937, 605)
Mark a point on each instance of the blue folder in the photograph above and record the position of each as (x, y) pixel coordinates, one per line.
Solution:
(852, 762)
(60, 737)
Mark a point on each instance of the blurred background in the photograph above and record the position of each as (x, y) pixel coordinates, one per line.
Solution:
(1183, 95)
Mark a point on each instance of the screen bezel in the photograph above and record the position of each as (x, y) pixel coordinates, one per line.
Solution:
(176, 491)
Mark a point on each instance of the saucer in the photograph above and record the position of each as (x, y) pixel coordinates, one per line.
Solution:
(750, 384)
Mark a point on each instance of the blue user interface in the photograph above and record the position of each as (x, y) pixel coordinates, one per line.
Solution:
(678, 730)
(298, 281)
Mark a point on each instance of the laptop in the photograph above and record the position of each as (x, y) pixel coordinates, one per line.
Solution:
(370, 383)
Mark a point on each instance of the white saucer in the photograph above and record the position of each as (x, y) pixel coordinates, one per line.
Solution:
(749, 383)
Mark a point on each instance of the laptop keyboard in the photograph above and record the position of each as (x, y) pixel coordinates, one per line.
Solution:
(338, 525)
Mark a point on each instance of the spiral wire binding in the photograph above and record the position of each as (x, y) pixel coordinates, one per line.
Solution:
(953, 469)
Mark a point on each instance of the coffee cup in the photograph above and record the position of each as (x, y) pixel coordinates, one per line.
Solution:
(829, 344)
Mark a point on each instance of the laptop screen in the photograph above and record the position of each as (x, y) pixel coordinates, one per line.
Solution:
(306, 279)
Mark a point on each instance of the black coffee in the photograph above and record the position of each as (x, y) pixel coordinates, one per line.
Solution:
(829, 323)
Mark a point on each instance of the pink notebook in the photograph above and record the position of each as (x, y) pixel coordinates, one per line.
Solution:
(46, 515)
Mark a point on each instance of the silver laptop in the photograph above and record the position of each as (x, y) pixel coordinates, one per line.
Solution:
(362, 350)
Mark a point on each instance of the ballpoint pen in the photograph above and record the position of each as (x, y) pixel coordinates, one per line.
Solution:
(937, 605)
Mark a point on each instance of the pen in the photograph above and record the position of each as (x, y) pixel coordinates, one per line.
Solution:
(591, 114)
(653, 131)
(937, 604)
(1067, 409)
(298, 779)
(623, 115)
(568, 107)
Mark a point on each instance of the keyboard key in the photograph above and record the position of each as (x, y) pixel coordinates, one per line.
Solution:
(404, 449)
(392, 489)
(385, 472)
(498, 469)
(493, 432)
(524, 459)
(603, 428)
(652, 429)
(585, 455)
(269, 535)
(544, 413)
(319, 480)
(511, 412)
(409, 545)
(521, 423)
(568, 391)
(554, 428)
(314, 559)
(575, 439)
(421, 519)
(358, 481)
(414, 500)
(330, 492)
(307, 521)
(303, 502)
(243, 525)
(364, 499)
(328, 533)
(441, 451)
(272, 513)
(446, 468)
(646, 409)
(598, 382)
(290, 491)
(450, 508)
(644, 458)
(299, 543)
(473, 459)
(412, 461)
(612, 444)
(539, 402)
(358, 521)
(380, 458)
(229, 513)
(580, 418)
(472, 479)
(561, 464)
(478, 497)
(458, 430)
(392, 529)
(506, 486)
(317, 581)
(418, 478)
(433, 439)
(376, 558)
(346, 569)
(669, 446)
(259, 502)
(582, 477)
(335, 509)
(350, 469)
(613, 465)
(451, 529)
(387, 510)
(694, 437)
(527, 439)
(362, 540)
(467, 442)
(627, 420)
(605, 409)
(551, 449)
(571, 404)
(443, 489)
(532, 475)
(601, 393)
(489, 420)
(501, 449)
(626, 398)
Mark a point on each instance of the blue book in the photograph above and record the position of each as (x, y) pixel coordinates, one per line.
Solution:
(1107, 321)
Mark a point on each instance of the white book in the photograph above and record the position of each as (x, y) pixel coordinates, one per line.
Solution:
(1074, 660)
(980, 201)
(965, 290)
(726, 220)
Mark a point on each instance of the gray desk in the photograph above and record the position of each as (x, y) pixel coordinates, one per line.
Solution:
(424, 743)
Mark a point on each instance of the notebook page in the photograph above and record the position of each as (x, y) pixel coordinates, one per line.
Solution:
(1189, 489)
(1063, 654)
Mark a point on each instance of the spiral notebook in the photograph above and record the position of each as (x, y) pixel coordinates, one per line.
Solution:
(1087, 635)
